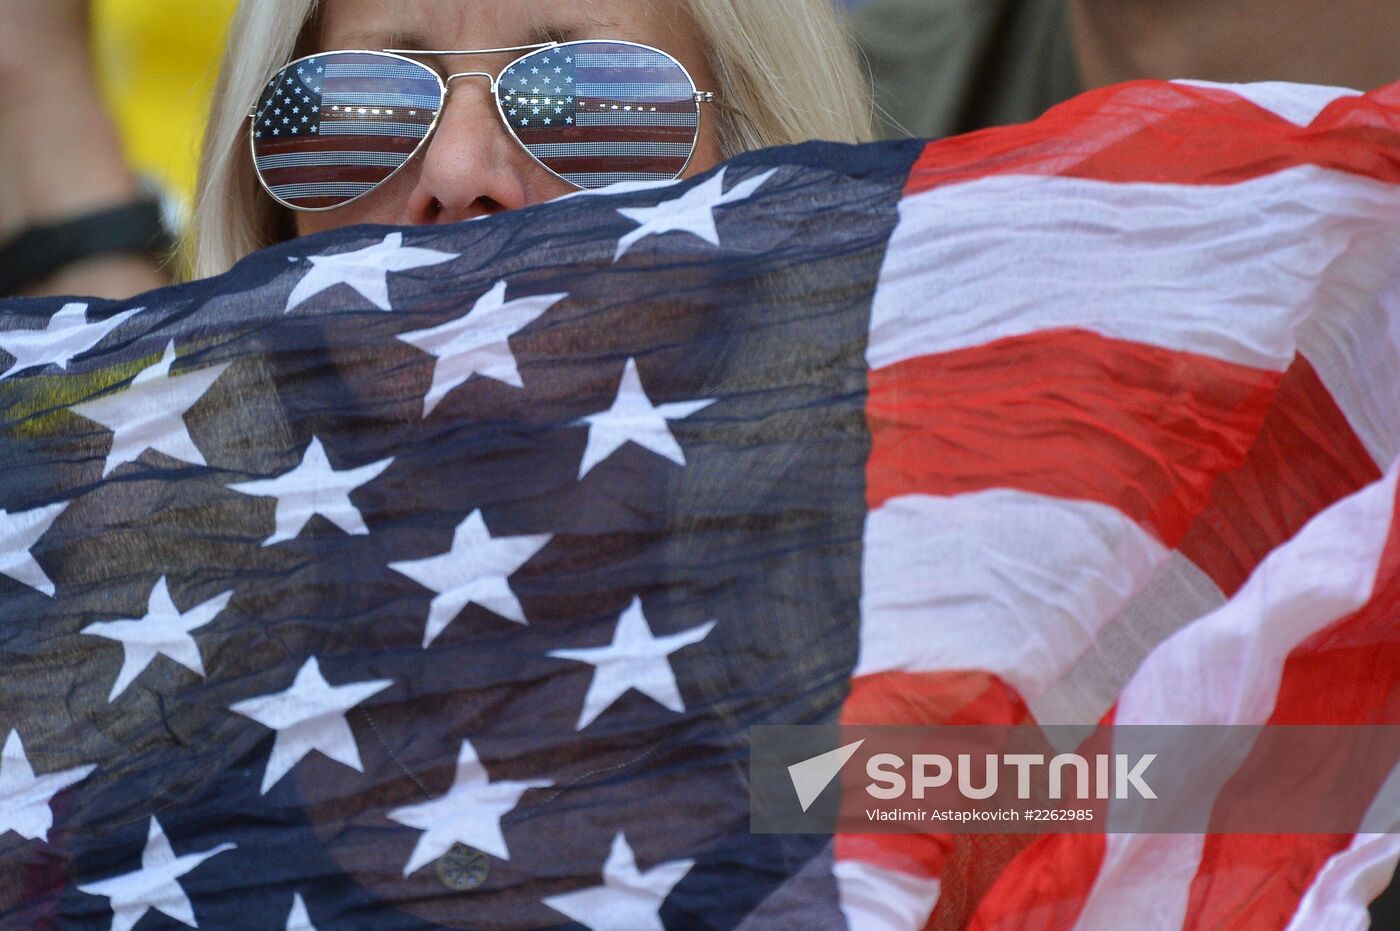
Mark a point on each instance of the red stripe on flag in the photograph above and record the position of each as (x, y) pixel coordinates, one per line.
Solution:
(1070, 414)
(1150, 131)
(917, 698)
(1306, 458)
(951, 698)
(1043, 889)
(1251, 881)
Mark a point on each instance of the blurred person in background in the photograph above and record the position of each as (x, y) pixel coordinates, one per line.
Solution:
(943, 67)
(104, 102)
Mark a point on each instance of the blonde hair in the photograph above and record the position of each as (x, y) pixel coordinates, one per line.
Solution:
(786, 70)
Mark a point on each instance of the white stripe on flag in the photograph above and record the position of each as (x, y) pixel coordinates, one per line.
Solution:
(1225, 669)
(595, 149)
(1005, 581)
(1233, 658)
(353, 127)
(602, 178)
(623, 60)
(1340, 896)
(644, 90)
(1349, 882)
(876, 899)
(388, 68)
(381, 99)
(321, 189)
(635, 118)
(1353, 343)
(1297, 103)
(313, 159)
(1151, 868)
(1175, 596)
(1225, 271)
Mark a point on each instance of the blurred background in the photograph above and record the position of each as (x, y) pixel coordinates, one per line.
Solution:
(156, 62)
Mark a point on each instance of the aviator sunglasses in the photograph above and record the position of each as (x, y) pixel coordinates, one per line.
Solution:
(329, 128)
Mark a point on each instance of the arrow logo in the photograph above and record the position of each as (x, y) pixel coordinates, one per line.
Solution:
(811, 776)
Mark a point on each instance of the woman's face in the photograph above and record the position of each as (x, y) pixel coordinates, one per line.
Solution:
(471, 165)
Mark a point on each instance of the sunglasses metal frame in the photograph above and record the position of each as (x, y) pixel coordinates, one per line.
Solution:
(445, 90)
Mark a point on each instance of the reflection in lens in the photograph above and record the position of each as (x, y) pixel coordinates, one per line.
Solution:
(330, 128)
(596, 113)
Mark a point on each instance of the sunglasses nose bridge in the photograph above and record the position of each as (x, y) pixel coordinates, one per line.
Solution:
(447, 81)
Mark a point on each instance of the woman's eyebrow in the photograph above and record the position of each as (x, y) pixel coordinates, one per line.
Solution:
(382, 39)
(538, 34)
(570, 31)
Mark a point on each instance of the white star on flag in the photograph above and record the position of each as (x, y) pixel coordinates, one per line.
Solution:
(164, 631)
(692, 212)
(18, 534)
(150, 412)
(366, 270)
(634, 418)
(628, 900)
(67, 335)
(478, 343)
(636, 659)
(312, 488)
(24, 797)
(298, 919)
(470, 813)
(473, 571)
(155, 885)
(309, 716)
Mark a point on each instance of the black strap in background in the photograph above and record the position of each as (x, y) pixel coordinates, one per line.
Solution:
(1025, 55)
(987, 71)
(40, 251)
(1385, 911)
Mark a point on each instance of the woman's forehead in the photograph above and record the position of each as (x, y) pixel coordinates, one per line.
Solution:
(483, 23)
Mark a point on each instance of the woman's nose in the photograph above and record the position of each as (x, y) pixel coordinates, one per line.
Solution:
(472, 166)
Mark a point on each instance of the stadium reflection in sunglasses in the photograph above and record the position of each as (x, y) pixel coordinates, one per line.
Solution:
(329, 128)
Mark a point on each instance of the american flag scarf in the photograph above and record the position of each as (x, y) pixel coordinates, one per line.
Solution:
(432, 577)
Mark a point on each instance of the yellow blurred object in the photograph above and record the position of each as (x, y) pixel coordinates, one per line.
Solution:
(158, 60)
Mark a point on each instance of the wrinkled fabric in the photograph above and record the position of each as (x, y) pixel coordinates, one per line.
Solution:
(432, 577)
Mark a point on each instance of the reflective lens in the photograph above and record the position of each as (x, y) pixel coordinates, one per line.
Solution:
(331, 128)
(596, 113)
